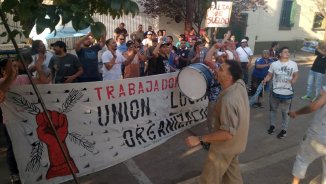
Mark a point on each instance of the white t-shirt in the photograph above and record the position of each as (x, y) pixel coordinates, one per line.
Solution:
(282, 76)
(99, 58)
(317, 127)
(230, 55)
(147, 42)
(115, 72)
(243, 53)
(48, 56)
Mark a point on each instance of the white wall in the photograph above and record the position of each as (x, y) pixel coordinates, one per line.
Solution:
(174, 29)
(264, 26)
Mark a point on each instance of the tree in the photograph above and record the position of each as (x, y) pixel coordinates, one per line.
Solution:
(80, 12)
(179, 10)
(321, 5)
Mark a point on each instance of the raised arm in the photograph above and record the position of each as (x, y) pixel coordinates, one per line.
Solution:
(80, 42)
(11, 74)
(157, 50)
(101, 42)
(6, 81)
(211, 52)
(129, 55)
(42, 77)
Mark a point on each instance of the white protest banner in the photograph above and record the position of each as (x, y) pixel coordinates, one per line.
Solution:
(219, 14)
(100, 123)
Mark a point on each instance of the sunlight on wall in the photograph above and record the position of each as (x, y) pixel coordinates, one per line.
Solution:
(264, 26)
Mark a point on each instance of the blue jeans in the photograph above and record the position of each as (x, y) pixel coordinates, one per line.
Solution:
(285, 107)
(317, 78)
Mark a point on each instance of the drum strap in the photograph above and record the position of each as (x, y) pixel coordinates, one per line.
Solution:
(291, 98)
(245, 52)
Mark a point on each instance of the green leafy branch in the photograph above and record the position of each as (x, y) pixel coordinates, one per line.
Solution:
(30, 12)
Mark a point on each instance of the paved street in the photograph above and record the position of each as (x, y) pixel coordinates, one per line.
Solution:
(267, 160)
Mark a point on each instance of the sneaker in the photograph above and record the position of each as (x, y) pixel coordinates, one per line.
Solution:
(15, 179)
(271, 130)
(255, 105)
(306, 97)
(282, 134)
(260, 105)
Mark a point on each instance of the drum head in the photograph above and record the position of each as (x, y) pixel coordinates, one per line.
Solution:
(192, 83)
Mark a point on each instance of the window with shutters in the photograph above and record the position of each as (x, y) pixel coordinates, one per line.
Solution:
(319, 22)
(287, 15)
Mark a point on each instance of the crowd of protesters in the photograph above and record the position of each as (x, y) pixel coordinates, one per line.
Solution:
(145, 53)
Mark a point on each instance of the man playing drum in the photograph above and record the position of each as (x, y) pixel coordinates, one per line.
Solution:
(229, 137)
(214, 88)
(284, 73)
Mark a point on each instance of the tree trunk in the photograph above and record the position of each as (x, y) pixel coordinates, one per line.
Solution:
(189, 14)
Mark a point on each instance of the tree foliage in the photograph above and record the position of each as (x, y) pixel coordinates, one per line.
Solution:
(177, 9)
(321, 6)
(80, 12)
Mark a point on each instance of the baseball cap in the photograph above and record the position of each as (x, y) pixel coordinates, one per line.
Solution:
(164, 44)
(60, 44)
(244, 40)
(149, 33)
(130, 42)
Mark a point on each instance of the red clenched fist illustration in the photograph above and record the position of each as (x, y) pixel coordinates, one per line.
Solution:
(58, 165)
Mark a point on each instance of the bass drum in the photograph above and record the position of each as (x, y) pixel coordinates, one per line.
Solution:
(194, 80)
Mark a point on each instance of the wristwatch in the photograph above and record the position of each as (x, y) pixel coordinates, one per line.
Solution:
(200, 138)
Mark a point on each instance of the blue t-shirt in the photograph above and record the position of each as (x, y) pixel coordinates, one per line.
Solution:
(171, 59)
(89, 60)
(261, 73)
(122, 48)
(214, 90)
